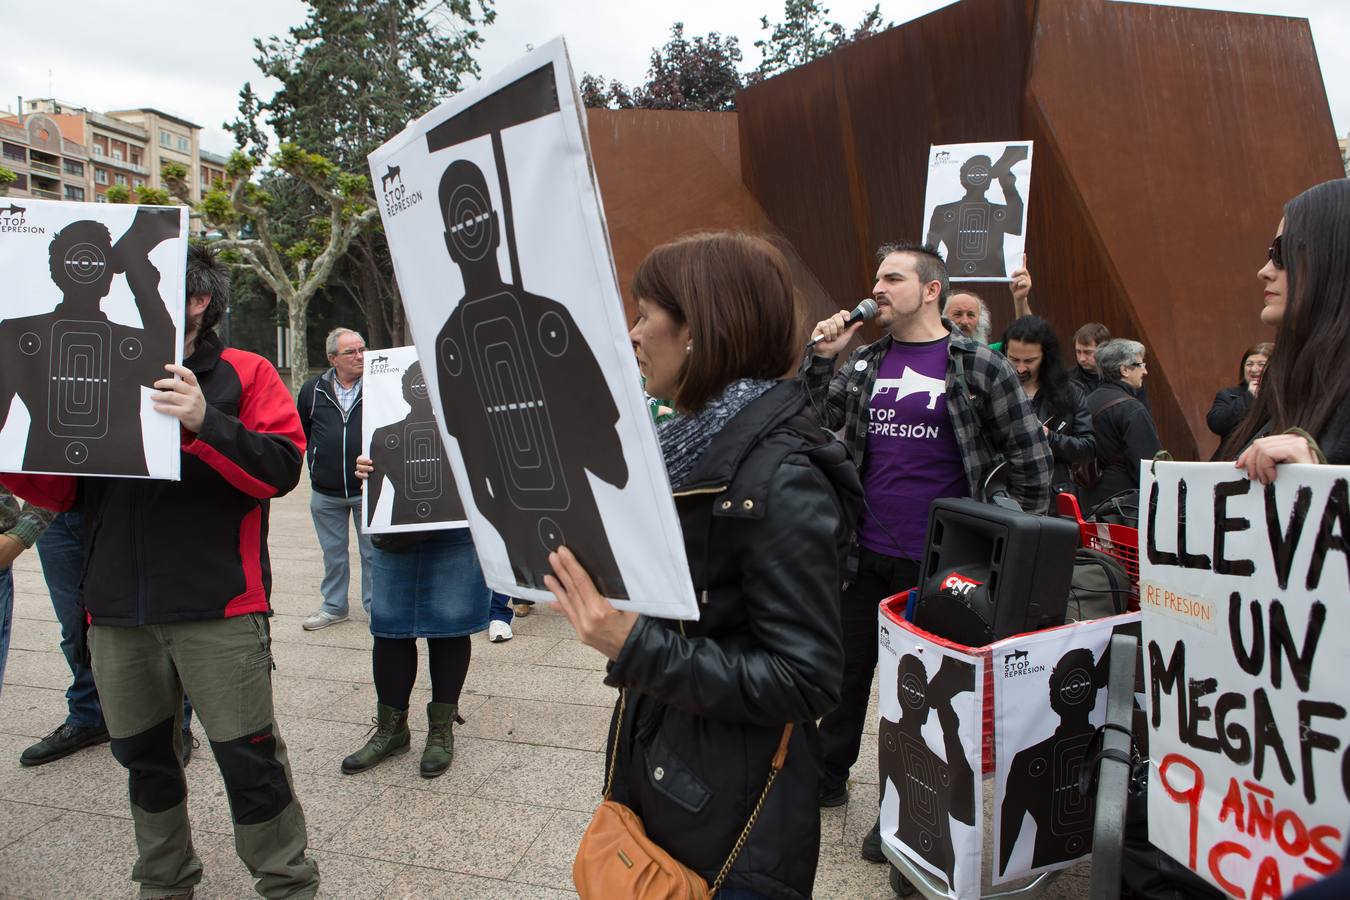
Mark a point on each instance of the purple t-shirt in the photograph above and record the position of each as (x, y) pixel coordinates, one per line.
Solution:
(911, 458)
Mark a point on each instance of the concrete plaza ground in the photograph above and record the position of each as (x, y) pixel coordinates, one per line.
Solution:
(502, 823)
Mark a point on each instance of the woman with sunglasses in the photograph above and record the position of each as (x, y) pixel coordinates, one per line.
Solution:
(1304, 401)
(1231, 404)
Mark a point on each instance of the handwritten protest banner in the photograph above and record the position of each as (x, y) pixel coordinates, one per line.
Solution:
(1245, 593)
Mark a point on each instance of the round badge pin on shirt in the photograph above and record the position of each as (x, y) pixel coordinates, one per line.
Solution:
(860, 365)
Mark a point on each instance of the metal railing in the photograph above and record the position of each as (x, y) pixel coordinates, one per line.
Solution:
(44, 195)
(43, 167)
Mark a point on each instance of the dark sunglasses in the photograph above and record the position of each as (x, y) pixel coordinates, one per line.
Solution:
(1276, 252)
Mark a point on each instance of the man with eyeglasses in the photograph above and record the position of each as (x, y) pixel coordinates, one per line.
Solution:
(330, 411)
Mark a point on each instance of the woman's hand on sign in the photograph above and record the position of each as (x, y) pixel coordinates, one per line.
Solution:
(596, 623)
(1260, 459)
(364, 466)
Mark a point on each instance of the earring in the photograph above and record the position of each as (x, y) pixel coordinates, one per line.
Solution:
(688, 347)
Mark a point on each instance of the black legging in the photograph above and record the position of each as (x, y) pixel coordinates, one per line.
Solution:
(394, 661)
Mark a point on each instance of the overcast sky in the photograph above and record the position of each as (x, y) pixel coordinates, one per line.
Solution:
(190, 57)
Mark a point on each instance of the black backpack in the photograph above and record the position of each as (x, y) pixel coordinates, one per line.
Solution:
(1087, 474)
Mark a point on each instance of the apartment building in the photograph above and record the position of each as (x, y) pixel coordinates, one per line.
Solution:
(47, 153)
(124, 148)
(169, 139)
(212, 170)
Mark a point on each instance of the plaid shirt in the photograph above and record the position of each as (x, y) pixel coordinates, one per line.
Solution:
(26, 524)
(992, 419)
(346, 396)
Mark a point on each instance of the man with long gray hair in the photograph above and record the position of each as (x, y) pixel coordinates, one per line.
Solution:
(330, 411)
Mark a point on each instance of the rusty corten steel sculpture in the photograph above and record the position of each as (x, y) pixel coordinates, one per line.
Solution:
(1167, 141)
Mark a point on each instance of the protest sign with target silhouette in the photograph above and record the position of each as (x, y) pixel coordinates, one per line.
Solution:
(503, 262)
(411, 487)
(92, 313)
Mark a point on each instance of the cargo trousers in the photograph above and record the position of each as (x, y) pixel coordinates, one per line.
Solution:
(225, 665)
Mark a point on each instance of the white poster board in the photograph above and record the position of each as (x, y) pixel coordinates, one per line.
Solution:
(929, 748)
(975, 207)
(1245, 594)
(91, 312)
(502, 256)
(411, 487)
(1049, 700)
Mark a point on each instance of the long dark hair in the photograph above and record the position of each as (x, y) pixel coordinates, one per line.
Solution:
(1053, 377)
(1306, 380)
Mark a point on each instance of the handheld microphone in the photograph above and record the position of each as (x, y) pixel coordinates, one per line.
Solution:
(863, 312)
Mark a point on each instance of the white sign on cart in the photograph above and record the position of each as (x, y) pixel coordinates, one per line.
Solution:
(929, 738)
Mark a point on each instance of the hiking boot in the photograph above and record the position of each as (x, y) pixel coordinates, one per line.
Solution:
(830, 796)
(871, 845)
(440, 749)
(390, 738)
(63, 742)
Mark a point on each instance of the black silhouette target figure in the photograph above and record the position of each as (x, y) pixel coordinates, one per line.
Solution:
(409, 453)
(526, 399)
(973, 228)
(1043, 778)
(78, 373)
(932, 789)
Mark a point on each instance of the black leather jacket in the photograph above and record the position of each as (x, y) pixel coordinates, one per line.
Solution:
(767, 516)
(1125, 435)
(1071, 437)
(1229, 407)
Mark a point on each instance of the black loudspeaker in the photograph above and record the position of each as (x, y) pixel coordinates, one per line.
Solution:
(991, 572)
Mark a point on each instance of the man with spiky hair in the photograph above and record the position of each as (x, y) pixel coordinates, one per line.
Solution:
(927, 413)
(176, 590)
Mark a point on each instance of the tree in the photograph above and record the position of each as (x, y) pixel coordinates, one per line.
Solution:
(7, 177)
(805, 34)
(296, 270)
(351, 77)
(294, 265)
(597, 95)
(696, 73)
(701, 73)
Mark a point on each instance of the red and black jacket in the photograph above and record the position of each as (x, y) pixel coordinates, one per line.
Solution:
(177, 551)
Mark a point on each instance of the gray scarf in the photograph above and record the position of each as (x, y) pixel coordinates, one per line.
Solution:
(684, 438)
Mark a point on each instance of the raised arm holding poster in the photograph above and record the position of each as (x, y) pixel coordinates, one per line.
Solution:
(503, 261)
(411, 487)
(1245, 593)
(92, 312)
(975, 209)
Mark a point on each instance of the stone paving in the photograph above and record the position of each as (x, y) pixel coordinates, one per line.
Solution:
(502, 823)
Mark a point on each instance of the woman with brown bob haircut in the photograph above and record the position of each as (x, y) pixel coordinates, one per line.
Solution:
(766, 500)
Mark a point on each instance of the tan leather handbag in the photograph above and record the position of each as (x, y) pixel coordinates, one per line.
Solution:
(617, 859)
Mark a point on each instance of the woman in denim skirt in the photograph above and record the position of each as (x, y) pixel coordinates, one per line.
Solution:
(426, 584)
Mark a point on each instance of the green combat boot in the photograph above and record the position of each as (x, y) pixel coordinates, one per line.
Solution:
(391, 738)
(441, 717)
